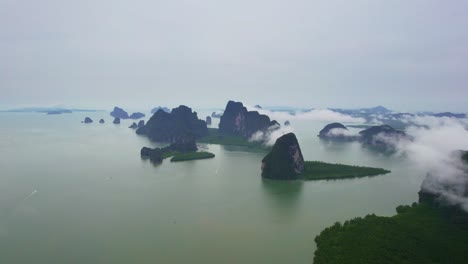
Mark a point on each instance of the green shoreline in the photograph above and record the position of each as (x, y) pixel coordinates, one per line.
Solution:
(318, 170)
(217, 138)
(192, 156)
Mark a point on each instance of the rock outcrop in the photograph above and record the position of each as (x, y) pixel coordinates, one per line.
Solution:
(119, 113)
(208, 120)
(155, 155)
(179, 125)
(116, 121)
(383, 136)
(101, 121)
(87, 120)
(165, 109)
(136, 115)
(141, 123)
(285, 161)
(238, 121)
(133, 126)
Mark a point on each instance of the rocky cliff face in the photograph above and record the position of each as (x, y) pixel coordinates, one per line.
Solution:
(238, 121)
(178, 125)
(285, 161)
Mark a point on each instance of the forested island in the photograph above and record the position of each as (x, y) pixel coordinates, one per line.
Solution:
(285, 162)
(181, 150)
(318, 170)
(192, 156)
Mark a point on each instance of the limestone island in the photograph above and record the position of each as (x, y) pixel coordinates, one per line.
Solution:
(335, 132)
(101, 121)
(116, 121)
(237, 126)
(383, 137)
(87, 120)
(182, 150)
(179, 125)
(285, 162)
(122, 114)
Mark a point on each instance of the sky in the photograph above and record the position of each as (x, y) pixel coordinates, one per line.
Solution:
(405, 55)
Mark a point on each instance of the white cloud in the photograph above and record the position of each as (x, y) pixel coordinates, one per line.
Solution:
(312, 115)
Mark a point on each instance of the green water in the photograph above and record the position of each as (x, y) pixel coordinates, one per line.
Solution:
(80, 193)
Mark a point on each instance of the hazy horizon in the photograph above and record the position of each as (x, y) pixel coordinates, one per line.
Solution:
(406, 56)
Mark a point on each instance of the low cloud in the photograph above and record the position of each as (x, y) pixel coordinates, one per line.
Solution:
(433, 149)
(312, 115)
(270, 136)
(340, 132)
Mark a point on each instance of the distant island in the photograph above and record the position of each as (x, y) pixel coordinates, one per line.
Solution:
(335, 131)
(122, 114)
(285, 162)
(49, 110)
(237, 120)
(165, 109)
(182, 150)
(59, 112)
(383, 137)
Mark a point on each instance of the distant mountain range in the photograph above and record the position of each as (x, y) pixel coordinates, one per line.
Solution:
(50, 110)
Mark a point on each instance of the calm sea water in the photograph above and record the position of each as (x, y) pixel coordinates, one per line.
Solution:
(80, 193)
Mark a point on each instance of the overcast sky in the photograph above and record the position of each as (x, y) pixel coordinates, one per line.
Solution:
(406, 55)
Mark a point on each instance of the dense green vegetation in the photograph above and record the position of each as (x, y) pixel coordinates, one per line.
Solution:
(218, 138)
(192, 156)
(317, 170)
(421, 233)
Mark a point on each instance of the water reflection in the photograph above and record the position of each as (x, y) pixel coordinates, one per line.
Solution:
(283, 197)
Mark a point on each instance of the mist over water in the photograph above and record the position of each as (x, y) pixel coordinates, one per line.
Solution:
(95, 198)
